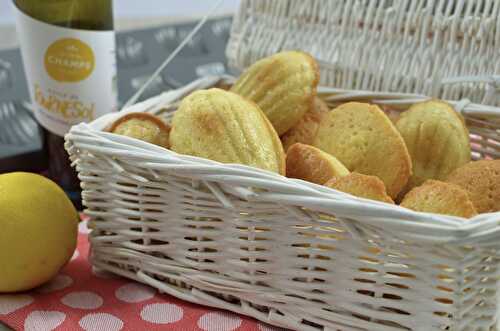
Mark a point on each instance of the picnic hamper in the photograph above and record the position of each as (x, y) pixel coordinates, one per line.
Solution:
(444, 48)
(284, 251)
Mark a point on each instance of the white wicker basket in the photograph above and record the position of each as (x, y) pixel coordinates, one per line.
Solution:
(443, 48)
(285, 251)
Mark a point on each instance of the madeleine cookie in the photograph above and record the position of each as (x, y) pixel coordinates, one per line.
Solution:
(225, 127)
(363, 186)
(311, 164)
(437, 140)
(363, 138)
(283, 85)
(481, 179)
(305, 130)
(143, 126)
(439, 197)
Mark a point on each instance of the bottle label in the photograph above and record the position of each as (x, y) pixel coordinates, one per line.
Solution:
(71, 73)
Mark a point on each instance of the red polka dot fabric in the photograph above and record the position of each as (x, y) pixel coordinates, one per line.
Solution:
(82, 298)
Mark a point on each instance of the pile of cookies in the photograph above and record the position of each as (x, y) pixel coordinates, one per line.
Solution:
(420, 159)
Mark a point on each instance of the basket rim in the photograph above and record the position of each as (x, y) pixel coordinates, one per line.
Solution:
(283, 189)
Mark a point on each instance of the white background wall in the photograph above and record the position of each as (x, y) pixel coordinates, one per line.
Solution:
(144, 8)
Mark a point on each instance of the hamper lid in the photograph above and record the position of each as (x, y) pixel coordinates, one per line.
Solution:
(440, 48)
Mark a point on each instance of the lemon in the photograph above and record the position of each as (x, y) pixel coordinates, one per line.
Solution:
(38, 230)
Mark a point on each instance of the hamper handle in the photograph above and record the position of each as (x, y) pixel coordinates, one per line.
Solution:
(172, 55)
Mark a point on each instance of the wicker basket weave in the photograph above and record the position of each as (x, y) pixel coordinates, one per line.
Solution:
(442, 48)
(287, 252)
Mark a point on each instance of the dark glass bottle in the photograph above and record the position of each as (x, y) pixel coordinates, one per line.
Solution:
(74, 40)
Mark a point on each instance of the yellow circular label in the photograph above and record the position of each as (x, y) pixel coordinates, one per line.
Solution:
(69, 60)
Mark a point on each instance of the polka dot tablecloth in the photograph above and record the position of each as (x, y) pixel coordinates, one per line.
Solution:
(82, 298)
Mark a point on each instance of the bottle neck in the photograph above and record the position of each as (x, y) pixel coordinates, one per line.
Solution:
(96, 15)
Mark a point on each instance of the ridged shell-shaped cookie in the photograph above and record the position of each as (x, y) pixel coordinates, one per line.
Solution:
(437, 140)
(305, 130)
(364, 186)
(143, 126)
(312, 164)
(223, 126)
(363, 138)
(481, 179)
(438, 197)
(283, 85)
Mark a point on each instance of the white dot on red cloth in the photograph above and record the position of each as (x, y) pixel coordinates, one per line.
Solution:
(162, 313)
(12, 302)
(219, 321)
(100, 322)
(59, 282)
(134, 292)
(267, 327)
(82, 300)
(82, 227)
(76, 254)
(39, 320)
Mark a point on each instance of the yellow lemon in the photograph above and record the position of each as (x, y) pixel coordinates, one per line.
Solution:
(38, 230)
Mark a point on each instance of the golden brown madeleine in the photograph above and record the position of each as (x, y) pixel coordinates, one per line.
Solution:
(481, 179)
(225, 127)
(311, 164)
(283, 85)
(143, 126)
(437, 140)
(305, 130)
(363, 138)
(364, 186)
(438, 197)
